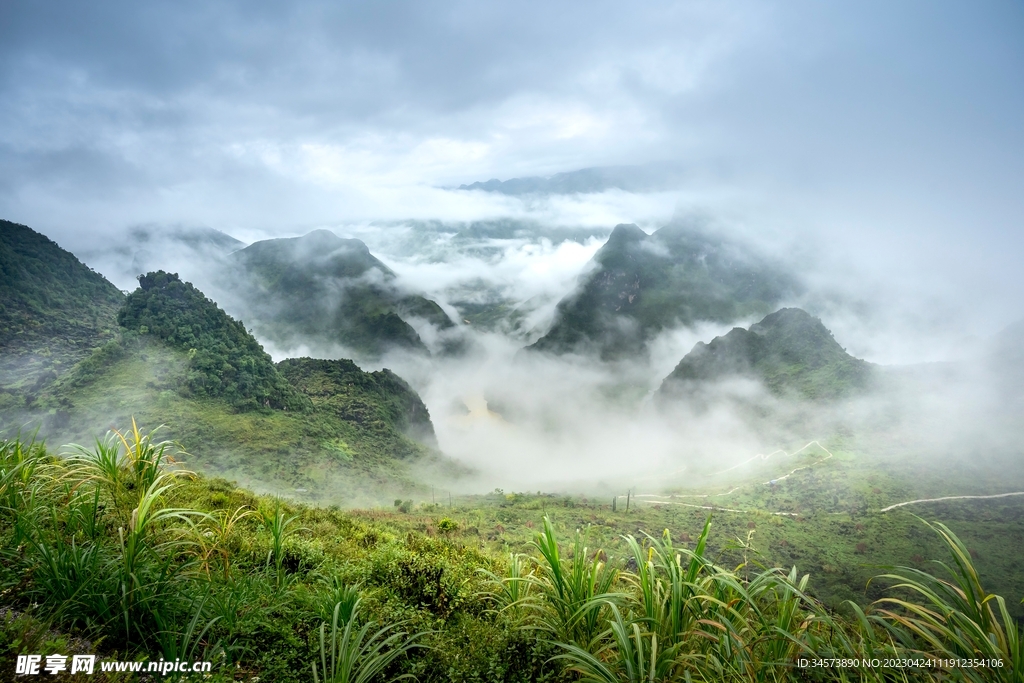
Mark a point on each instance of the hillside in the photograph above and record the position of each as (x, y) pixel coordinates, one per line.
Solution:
(53, 311)
(357, 456)
(790, 351)
(380, 402)
(224, 360)
(641, 284)
(323, 430)
(323, 289)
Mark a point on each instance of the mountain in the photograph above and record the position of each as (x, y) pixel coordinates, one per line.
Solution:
(53, 311)
(639, 284)
(790, 351)
(323, 429)
(647, 178)
(224, 360)
(380, 402)
(322, 288)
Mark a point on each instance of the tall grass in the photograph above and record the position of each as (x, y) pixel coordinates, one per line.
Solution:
(953, 618)
(96, 544)
(571, 595)
(679, 616)
(360, 654)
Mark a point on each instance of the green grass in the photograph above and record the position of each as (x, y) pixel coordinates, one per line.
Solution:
(146, 560)
(295, 454)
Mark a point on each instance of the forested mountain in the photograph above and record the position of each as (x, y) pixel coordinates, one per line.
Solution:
(47, 295)
(53, 311)
(642, 284)
(380, 402)
(322, 288)
(224, 360)
(166, 354)
(790, 351)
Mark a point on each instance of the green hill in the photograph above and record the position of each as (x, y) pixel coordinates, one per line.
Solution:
(380, 402)
(790, 351)
(53, 311)
(322, 288)
(642, 284)
(323, 429)
(168, 355)
(224, 360)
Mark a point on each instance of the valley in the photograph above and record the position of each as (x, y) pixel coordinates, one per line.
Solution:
(637, 411)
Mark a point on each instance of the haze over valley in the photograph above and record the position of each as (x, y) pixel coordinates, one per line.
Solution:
(432, 283)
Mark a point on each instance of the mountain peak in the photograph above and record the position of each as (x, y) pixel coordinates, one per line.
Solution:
(644, 284)
(789, 350)
(625, 233)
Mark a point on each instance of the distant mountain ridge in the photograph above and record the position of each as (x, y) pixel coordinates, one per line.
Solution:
(321, 287)
(149, 243)
(640, 284)
(647, 178)
(789, 351)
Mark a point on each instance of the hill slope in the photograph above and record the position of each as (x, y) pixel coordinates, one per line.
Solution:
(642, 284)
(790, 351)
(53, 311)
(332, 433)
(225, 361)
(322, 288)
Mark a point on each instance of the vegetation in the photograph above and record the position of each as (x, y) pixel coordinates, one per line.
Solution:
(46, 293)
(380, 401)
(117, 548)
(356, 447)
(645, 284)
(53, 311)
(790, 351)
(225, 361)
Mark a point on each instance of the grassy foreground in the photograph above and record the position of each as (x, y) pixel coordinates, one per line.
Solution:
(116, 550)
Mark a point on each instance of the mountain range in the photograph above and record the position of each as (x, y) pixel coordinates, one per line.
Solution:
(638, 285)
(646, 178)
(326, 289)
(167, 354)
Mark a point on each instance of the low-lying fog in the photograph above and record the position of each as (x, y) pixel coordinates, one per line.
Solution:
(527, 421)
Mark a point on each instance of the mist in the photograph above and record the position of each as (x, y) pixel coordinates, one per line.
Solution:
(530, 421)
(874, 152)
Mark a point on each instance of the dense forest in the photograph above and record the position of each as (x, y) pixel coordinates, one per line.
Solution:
(225, 361)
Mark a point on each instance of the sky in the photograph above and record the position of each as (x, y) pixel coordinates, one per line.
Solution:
(887, 135)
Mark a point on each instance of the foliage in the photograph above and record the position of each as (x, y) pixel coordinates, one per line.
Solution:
(360, 654)
(379, 401)
(201, 569)
(570, 594)
(225, 361)
(48, 294)
(957, 618)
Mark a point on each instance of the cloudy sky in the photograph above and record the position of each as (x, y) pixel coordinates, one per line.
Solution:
(892, 130)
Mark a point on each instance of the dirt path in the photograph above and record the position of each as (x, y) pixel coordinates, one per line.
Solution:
(935, 500)
(655, 498)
